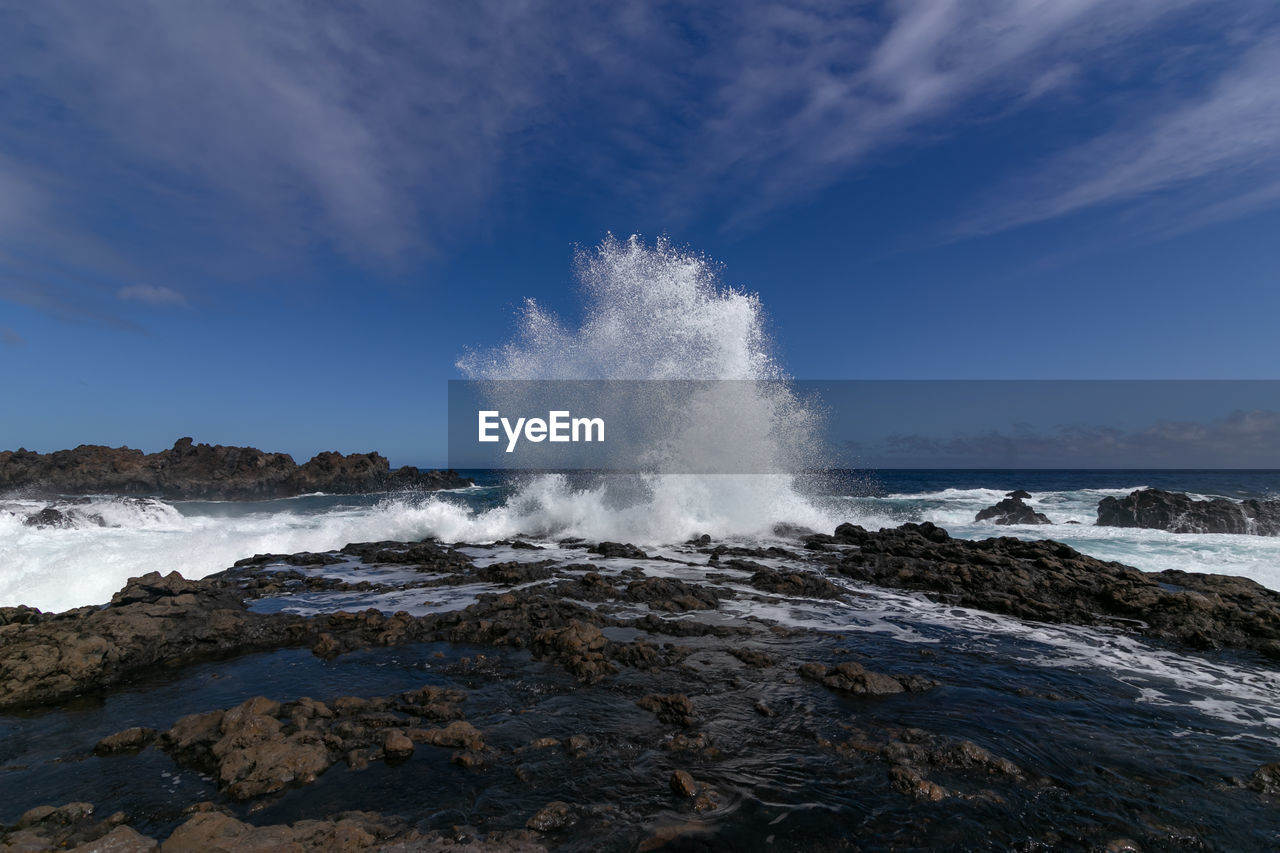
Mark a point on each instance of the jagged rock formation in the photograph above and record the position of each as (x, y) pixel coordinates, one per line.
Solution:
(216, 472)
(1012, 510)
(1177, 513)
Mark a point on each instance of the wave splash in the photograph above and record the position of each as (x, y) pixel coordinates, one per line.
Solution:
(656, 312)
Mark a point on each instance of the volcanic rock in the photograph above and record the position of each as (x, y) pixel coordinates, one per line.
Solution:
(189, 470)
(1178, 513)
(1012, 510)
(674, 708)
(1051, 582)
(683, 785)
(129, 740)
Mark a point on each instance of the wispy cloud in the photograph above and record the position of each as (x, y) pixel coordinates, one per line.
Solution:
(151, 295)
(1222, 147)
(810, 95)
(144, 144)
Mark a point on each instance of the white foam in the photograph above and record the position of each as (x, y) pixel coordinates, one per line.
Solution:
(56, 569)
(655, 313)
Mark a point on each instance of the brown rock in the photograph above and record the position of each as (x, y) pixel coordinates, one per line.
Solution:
(128, 740)
(683, 785)
(397, 745)
(551, 817)
(122, 839)
(674, 708)
(459, 734)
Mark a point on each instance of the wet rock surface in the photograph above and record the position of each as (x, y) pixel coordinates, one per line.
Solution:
(189, 470)
(1012, 510)
(1052, 582)
(604, 704)
(153, 621)
(1177, 513)
(210, 829)
(262, 746)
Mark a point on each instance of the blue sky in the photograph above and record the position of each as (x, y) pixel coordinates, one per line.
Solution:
(281, 224)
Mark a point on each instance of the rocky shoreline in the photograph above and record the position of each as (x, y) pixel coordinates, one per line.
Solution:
(679, 686)
(1155, 509)
(190, 471)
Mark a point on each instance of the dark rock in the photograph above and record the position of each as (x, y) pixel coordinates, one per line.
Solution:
(578, 745)
(153, 620)
(397, 745)
(262, 746)
(129, 740)
(683, 785)
(189, 470)
(673, 596)
(1019, 494)
(753, 657)
(850, 677)
(72, 826)
(619, 549)
(350, 831)
(674, 708)
(1266, 779)
(551, 817)
(1177, 513)
(790, 583)
(512, 573)
(122, 839)
(49, 517)
(1052, 582)
(1012, 511)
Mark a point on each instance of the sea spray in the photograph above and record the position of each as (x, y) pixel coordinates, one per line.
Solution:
(656, 312)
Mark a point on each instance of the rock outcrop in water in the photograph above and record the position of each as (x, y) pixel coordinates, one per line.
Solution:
(1012, 510)
(1177, 513)
(214, 472)
(1052, 582)
(580, 705)
(154, 620)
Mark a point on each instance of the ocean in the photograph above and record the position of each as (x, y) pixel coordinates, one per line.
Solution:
(56, 569)
(1133, 732)
(1138, 737)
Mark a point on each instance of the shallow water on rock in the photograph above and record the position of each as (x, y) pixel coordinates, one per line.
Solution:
(1119, 738)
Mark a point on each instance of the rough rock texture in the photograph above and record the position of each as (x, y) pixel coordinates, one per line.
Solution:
(211, 830)
(1012, 510)
(850, 677)
(913, 753)
(789, 583)
(190, 470)
(674, 708)
(72, 826)
(153, 620)
(1266, 779)
(130, 740)
(262, 746)
(1052, 582)
(1177, 513)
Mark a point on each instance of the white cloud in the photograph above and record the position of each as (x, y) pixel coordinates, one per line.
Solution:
(150, 295)
(227, 135)
(805, 99)
(1223, 146)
